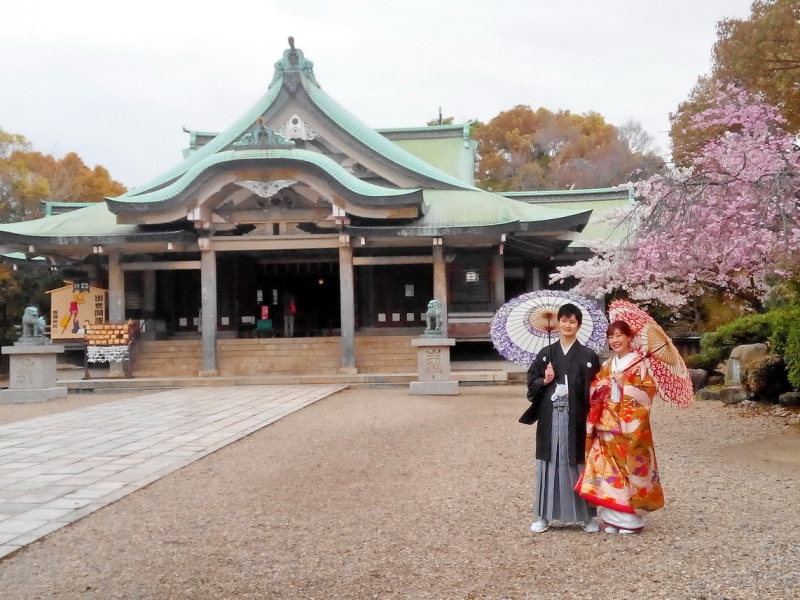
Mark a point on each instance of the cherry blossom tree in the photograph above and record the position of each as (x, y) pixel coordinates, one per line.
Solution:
(728, 222)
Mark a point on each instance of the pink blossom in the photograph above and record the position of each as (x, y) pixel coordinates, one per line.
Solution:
(728, 222)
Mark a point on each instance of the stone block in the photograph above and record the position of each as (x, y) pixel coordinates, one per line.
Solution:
(709, 393)
(789, 399)
(434, 388)
(733, 394)
(32, 395)
(699, 379)
(32, 376)
(741, 357)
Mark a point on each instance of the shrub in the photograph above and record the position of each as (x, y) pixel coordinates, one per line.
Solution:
(785, 340)
(706, 360)
(766, 378)
(752, 329)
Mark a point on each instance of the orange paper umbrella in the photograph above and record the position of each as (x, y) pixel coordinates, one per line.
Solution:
(662, 357)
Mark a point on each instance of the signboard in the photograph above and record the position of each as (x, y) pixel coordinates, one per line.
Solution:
(74, 305)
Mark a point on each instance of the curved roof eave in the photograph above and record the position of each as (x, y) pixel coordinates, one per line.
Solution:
(364, 134)
(90, 225)
(360, 193)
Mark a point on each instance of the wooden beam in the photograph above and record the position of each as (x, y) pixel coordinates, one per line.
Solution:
(271, 215)
(392, 260)
(174, 265)
(276, 242)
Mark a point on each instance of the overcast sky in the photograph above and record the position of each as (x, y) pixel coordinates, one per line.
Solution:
(116, 81)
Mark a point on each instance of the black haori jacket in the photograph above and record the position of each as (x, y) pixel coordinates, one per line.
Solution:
(580, 365)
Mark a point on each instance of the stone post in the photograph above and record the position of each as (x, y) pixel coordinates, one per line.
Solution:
(533, 279)
(348, 309)
(498, 281)
(433, 367)
(116, 303)
(208, 295)
(440, 283)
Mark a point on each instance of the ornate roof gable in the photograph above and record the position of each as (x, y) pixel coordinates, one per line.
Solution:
(291, 66)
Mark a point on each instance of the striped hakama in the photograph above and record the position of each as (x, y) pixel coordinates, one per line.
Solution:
(556, 499)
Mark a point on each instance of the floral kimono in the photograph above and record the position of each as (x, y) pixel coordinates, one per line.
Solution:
(621, 474)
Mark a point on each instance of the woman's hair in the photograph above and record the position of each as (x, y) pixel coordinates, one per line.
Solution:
(570, 310)
(620, 326)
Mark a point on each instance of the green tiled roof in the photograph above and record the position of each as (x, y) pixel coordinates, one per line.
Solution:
(463, 209)
(95, 220)
(327, 105)
(306, 157)
(375, 140)
(224, 139)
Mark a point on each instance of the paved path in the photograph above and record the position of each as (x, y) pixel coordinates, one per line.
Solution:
(57, 469)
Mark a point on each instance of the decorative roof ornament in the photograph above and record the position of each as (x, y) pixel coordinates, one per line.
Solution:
(296, 129)
(261, 136)
(291, 66)
(266, 189)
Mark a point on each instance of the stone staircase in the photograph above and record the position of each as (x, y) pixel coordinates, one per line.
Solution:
(275, 356)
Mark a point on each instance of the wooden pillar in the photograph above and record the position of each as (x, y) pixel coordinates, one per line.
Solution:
(149, 294)
(208, 295)
(116, 290)
(440, 283)
(116, 302)
(533, 279)
(498, 281)
(348, 312)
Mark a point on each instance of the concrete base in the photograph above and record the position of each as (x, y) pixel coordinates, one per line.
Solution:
(210, 373)
(434, 388)
(32, 395)
(32, 375)
(348, 371)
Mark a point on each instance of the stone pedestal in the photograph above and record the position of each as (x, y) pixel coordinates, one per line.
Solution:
(32, 376)
(433, 367)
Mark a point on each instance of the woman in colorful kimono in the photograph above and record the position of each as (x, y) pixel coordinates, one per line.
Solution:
(621, 474)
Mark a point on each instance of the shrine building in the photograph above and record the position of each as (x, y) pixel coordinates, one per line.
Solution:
(300, 206)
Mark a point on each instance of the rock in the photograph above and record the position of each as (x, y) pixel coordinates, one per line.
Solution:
(740, 358)
(708, 394)
(733, 394)
(699, 379)
(789, 399)
(716, 380)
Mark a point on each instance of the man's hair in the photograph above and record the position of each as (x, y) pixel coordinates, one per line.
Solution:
(570, 310)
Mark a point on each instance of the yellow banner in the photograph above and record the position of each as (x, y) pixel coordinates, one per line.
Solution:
(74, 305)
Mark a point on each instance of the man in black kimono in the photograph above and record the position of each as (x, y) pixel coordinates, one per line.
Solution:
(558, 389)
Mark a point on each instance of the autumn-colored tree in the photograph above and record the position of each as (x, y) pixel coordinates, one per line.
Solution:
(761, 54)
(523, 149)
(21, 190)
(28, 177)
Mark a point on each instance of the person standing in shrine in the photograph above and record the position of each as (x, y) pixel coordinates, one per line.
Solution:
(558, 390)
(289, 312)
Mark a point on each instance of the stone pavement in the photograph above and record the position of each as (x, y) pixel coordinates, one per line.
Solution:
(59, 468)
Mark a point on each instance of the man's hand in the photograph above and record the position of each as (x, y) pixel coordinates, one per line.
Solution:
(549, 374)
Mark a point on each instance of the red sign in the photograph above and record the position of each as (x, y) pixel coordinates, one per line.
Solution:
(265, 311)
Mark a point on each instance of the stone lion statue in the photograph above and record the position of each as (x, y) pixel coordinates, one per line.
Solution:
(32, 324)
(433, 318)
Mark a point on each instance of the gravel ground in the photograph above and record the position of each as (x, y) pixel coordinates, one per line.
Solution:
(19, 412)
(373, 493)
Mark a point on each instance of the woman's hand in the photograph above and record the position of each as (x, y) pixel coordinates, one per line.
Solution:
(549, 374)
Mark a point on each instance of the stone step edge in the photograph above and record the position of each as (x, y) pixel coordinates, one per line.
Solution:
(493, 377)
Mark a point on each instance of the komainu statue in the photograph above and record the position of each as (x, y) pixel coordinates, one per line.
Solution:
(433, 318)
(32, 324)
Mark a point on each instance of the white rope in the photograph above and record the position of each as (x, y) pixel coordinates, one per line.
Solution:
(107, 353)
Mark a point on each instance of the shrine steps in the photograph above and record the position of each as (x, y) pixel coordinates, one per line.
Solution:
(275, 356)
